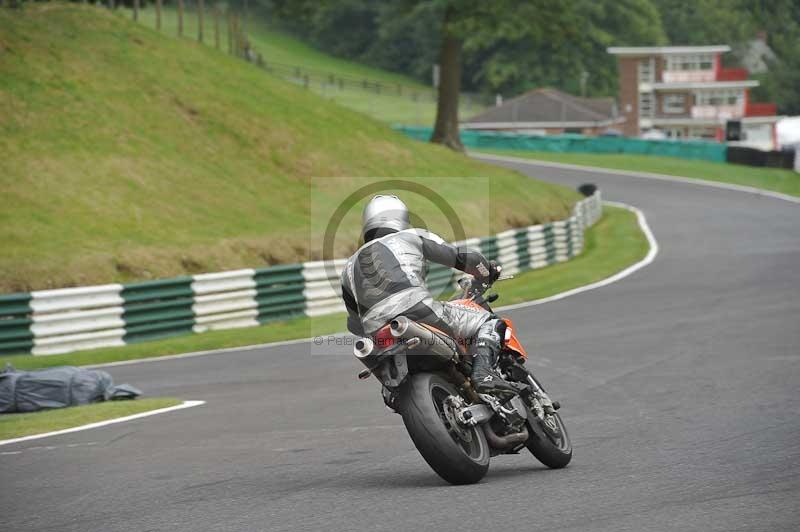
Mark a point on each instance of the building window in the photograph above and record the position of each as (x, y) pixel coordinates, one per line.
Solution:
(720, 97)
(674, 103)
(675, 133)
(646, 104)
(690, 62)
(647, 71)
(704, 133)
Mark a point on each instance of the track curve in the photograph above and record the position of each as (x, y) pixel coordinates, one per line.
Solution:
(679, 384)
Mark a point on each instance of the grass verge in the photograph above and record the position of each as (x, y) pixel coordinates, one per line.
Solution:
(774, 179)
(19, 425)
(614, 243)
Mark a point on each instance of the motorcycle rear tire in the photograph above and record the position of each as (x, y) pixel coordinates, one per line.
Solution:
(452, 458)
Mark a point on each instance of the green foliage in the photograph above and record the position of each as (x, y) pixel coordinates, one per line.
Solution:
(780, 19)
(515, 45)
(510, 45)
(695, 22)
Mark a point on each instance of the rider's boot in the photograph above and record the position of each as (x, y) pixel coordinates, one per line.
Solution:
(485, 378)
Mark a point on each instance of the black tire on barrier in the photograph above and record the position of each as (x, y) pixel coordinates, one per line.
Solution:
(587, 189)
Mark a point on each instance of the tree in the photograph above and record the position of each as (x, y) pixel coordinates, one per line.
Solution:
(445, 129)
(477, 27)
(780, 19)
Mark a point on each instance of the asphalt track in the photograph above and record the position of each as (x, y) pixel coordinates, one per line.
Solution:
(680, 386)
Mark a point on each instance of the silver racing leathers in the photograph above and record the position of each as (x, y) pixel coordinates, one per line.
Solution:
(386, 278)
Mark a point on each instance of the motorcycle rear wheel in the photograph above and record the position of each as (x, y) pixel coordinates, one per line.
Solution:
(444, 447)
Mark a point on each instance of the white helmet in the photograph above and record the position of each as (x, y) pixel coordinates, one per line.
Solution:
(384, 212)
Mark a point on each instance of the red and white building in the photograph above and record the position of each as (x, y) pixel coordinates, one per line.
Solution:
(685, 93)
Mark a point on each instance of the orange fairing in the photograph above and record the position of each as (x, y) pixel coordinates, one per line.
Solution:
(512, 342)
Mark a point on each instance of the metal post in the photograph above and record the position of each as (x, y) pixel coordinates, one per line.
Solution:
(135, 9)
(229, 18)
(237, 32)
(200, 15)
(216, 27)
(180, 18)
(158, 14)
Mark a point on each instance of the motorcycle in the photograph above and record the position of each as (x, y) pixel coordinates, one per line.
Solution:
(424, 377)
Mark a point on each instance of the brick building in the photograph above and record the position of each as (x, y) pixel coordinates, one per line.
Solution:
(684, 92)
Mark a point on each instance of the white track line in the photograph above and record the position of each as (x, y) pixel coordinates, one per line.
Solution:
(185, 404)
(650, 257)
(642, 175)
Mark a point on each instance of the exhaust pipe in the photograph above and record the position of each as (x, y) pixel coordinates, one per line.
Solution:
(363, 348)
(406, 329)
(504, 442)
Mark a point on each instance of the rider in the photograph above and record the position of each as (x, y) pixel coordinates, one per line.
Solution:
(385, 278)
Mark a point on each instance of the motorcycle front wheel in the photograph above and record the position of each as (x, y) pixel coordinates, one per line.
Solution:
(549, 441)
(458, 454)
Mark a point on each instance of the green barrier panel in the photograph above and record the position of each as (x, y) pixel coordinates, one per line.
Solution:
(157, 309)
(15, 324)
(290, 273)
(521, 238)
(488, 247)
(156, 330)
(279, 292)
(709, 151)
(272, 312)
(549, 243)
(568, 227)
(439, 278)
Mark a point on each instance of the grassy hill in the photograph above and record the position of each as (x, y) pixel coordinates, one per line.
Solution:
(131, 155)
(415, 104)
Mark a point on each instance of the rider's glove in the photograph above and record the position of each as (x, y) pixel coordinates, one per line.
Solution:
(494, 272)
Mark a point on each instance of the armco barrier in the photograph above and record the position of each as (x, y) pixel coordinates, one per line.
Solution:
(59, 321)
(708, 151)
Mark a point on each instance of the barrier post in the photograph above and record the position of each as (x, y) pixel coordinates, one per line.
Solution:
(200, 18)
(216, 27)
(180, 18)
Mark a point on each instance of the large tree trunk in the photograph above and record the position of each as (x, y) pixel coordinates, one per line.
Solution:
(446, 129)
